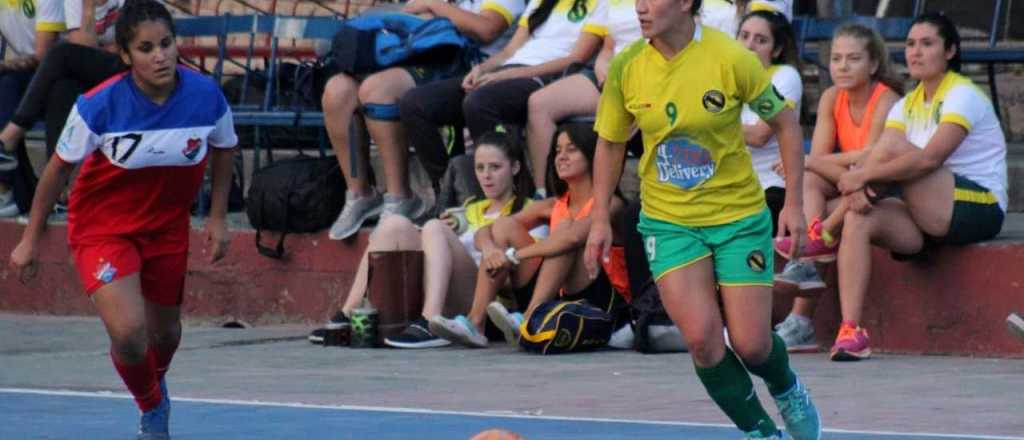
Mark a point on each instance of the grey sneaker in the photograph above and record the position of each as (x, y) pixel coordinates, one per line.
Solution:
(357, 211)
(507, 322)
(8, 208)
(801, 274)
(411, 208)
(798, 334)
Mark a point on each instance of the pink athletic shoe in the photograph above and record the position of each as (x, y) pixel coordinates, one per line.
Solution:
(851, 344)
(815, 248)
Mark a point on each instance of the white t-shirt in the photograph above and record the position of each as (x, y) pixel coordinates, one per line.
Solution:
(981, 156)
(721, 15)
(616, 18)
(17, 25)
(106, 16)
(510, 10)
(467, 239)
(787, 81)
(553, 39)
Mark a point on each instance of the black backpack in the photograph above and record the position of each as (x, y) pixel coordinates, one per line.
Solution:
(294, 195)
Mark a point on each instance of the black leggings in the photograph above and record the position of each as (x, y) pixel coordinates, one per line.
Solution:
(505, 102)
(67, 70)
(423, 111)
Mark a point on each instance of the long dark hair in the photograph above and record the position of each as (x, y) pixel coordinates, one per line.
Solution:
(522, 182)
(540, 15)
(584, 138)
(875, 47)
(137, 11)
(782, 33)
(947, 30)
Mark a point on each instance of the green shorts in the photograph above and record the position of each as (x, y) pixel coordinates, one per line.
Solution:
(742, 250)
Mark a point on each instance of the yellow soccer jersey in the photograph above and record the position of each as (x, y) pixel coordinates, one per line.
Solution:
(695, 170)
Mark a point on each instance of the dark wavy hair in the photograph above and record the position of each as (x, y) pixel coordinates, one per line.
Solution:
(584, 138)
(513, 150)
(782, 33)
(137, 11)
(947, 30)
(540, 15)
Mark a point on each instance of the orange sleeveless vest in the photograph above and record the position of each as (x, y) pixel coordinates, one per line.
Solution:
(849, 135)
(615, 267)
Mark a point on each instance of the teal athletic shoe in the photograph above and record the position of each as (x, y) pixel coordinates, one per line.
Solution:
(803, 422)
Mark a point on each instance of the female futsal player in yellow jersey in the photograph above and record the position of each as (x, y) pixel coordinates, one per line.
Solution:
(704, 220)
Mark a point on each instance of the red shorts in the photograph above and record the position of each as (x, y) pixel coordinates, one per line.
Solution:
(160, 259)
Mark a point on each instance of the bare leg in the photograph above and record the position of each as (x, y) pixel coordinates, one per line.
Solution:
(387, 88)
(564, 271)
(689, 297)
(888, 225)
(505, 232)
(339, 102)
(748, 310)
(570, 96)
(449, 272)
(817, 191)
(395, 233)
(11, 135)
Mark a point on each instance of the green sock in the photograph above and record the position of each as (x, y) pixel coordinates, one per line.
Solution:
(730, 387)
(775, 370)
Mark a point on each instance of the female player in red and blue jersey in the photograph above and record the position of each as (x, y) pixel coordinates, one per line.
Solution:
(142, 138)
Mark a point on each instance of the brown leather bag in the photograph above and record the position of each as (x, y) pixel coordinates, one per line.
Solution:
(395, 289)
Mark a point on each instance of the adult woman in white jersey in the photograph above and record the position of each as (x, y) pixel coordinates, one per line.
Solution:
(944, 149)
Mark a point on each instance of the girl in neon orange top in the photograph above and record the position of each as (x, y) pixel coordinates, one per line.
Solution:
(549, 267)
(851, 116)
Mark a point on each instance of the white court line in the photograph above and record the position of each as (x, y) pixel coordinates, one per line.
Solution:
(111, 395)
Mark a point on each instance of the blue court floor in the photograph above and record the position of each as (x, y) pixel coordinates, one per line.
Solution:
(34, 414)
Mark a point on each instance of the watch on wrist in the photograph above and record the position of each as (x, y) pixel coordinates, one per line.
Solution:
(510, 253)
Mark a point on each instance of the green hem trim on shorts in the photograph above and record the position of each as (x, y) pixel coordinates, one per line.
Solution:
(680, 266)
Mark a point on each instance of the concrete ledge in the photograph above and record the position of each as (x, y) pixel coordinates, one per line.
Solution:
(954, 303)
(304, 287)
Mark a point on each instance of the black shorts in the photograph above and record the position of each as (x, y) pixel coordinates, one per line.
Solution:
(601, 294)
(976, 217)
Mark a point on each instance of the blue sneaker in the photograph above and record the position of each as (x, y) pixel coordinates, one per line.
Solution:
(801, 274)
(458, 330)
(803, 422)
(155, 423)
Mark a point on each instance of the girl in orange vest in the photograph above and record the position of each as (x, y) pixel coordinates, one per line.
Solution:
(851, 116)
(549, 267)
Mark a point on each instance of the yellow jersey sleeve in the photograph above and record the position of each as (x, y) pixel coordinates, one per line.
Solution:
(614, 122)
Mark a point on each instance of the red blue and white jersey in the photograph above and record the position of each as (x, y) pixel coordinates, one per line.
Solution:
(142, 163)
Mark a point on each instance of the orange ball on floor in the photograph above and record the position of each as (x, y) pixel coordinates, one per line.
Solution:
(497, 434)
